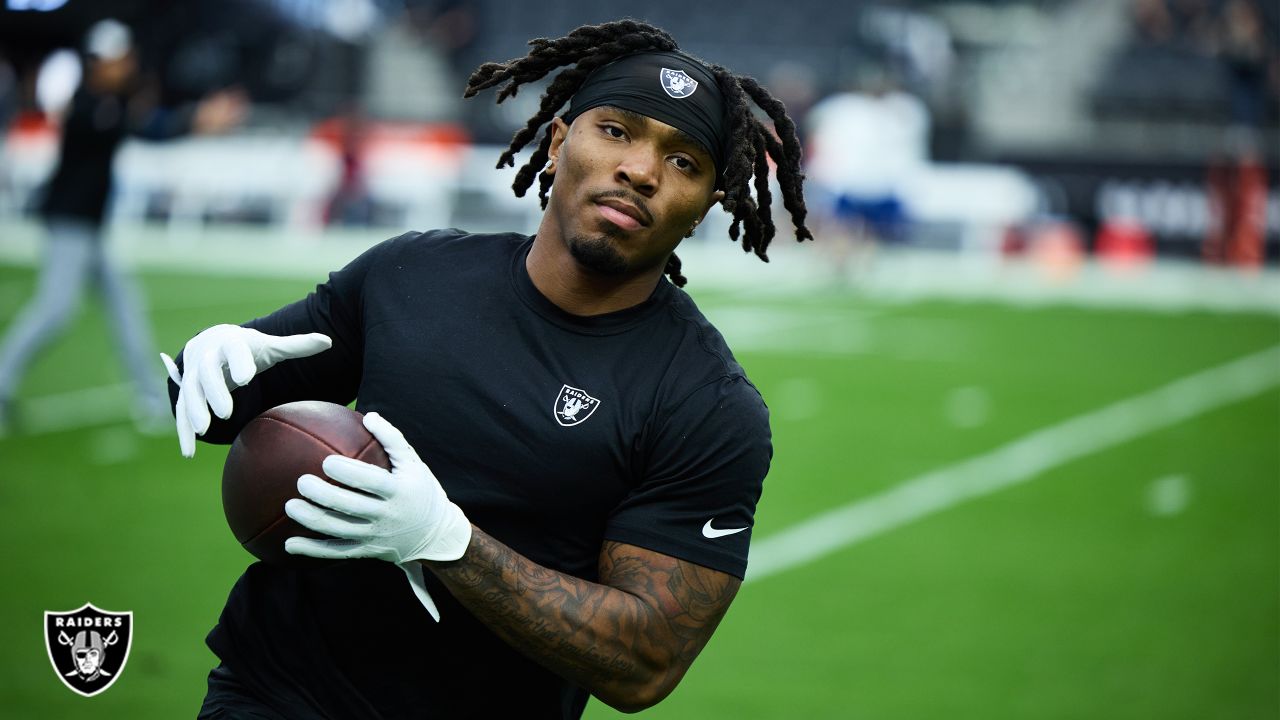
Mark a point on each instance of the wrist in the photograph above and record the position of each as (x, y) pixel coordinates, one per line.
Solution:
(442, 563)
(449, 540)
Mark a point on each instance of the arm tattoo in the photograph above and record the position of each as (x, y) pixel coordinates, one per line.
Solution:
(627, 639)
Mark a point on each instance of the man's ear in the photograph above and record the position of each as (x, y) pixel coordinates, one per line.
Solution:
(716, 197)
(559, 133)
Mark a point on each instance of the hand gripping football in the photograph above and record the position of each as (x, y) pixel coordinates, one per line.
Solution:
(270, 453)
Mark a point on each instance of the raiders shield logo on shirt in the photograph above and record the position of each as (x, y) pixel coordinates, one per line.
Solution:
(677, 83)
(574, 406)
(88, 647)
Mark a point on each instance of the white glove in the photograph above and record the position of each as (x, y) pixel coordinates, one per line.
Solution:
(220, 359)
(405, 515)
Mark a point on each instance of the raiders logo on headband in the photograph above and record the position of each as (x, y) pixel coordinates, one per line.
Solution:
(627, 84)
(677, 83)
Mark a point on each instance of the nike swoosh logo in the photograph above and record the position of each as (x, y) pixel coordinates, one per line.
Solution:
(713, 533)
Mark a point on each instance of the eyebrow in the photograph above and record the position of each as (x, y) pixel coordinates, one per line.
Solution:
(681, 135)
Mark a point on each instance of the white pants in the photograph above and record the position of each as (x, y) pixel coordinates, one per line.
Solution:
(74, 255)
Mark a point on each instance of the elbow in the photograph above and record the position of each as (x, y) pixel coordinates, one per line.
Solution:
(634, 702)
(641, 695)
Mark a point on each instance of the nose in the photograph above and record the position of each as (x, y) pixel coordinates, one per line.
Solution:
(639, 168)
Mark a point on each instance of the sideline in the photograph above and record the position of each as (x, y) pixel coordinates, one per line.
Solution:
(899, 275)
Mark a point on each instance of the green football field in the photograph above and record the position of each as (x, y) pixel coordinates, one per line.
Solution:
(1049, 528)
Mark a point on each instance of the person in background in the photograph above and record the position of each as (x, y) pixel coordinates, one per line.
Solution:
(862, 146)
(111, 103)
(1237, 178)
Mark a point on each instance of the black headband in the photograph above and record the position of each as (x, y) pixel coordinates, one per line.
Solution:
(669, 87)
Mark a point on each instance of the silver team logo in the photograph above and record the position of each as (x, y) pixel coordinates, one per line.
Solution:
(574, 406)
(677, 83)
(88, 647)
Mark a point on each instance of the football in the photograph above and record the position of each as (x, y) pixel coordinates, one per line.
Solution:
(270, 453)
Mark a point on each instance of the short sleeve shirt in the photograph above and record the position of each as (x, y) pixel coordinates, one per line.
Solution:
(553, 432)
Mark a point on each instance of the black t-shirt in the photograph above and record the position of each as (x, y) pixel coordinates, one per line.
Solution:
(95, 125)
(552, 432)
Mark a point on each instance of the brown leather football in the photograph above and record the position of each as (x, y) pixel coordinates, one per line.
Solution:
(270, 453)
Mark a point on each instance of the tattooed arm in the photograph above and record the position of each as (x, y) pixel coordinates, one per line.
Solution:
(628, 639)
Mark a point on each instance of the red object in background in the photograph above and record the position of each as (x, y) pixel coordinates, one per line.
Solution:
(355, 138)
(31, 126)
(1013, 242)
(1057, 246)
(334, 129)
(1124, 244)
(1237, 213)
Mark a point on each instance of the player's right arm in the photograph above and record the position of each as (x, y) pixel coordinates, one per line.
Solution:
(221, 359)
(310, 350)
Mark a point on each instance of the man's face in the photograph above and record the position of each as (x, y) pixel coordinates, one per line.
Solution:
(627, 189)
(116, 74)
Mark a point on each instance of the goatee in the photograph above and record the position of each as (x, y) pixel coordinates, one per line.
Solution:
(598, 254)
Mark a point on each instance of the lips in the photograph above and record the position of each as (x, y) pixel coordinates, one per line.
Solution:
(622, 214)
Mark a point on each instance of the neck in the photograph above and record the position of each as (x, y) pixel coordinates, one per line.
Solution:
(577, 290)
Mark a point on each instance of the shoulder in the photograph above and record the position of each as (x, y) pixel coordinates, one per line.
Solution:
(445, 249)
(703, 376)
(452, 241)
(727, 404)
(703, 344)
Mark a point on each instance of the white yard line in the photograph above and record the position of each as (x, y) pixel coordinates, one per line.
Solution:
(1017, 462)
(1012, 464)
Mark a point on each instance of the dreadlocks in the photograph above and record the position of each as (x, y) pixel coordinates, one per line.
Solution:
(751, 142)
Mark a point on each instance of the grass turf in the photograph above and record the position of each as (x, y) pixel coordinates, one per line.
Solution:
(1064, 597)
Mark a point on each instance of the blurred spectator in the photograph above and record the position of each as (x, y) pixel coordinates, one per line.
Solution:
(1216, 62)
(1237, 180)
(112, 101)
(861, 147)
(1151, 21)
(1182, 23)
(795, 85)
(1226, 42)
(8, 93)
(450, 25)
(1237, 186)
(350, 203)
(1243, 49)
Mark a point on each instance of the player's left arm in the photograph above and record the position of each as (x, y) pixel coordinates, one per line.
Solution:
(627, 639)
(218, 112)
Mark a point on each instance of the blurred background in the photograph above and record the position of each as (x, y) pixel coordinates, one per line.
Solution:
(1025, 384)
